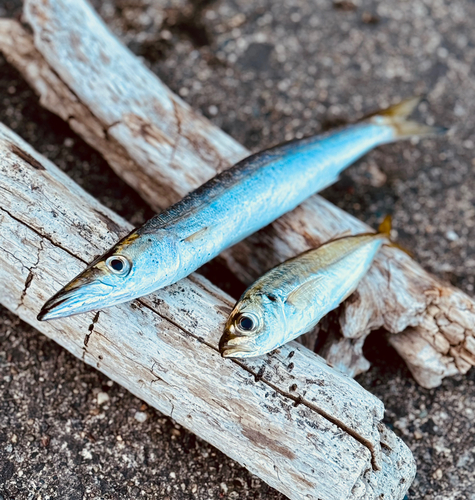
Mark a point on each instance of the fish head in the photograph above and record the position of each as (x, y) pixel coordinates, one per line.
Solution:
(254, 328)
(135, 266)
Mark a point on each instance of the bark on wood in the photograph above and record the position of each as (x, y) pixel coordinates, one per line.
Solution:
(155, 142)
(303, 427)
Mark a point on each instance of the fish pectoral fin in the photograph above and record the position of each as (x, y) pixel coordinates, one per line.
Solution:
(197, 234)
(304, 295)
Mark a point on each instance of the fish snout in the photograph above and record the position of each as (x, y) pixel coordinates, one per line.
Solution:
(81, 295)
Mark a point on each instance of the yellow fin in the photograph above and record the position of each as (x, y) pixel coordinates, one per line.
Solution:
(385, 226)
(400, 247)
(198, 234)
(385, 229)
(396, 116)
(402, 109)
(304, 295)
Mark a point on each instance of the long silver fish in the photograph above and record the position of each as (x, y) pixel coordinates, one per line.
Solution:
(293, 297)
(225, 210)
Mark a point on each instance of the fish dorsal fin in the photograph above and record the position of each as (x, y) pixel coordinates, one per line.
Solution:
(385, 230)
(385, 226)
(304, 295)
(197, 234)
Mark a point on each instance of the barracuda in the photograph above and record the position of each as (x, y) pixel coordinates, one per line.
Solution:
(293, 297)
(225, 210)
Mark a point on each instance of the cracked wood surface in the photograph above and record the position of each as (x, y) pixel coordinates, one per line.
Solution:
(303, 427)
(155, 142)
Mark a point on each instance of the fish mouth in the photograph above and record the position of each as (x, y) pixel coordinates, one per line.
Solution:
(237, 352)
(75, 298)
(231, 346)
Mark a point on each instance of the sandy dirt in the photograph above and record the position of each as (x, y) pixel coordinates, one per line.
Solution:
(265, 71)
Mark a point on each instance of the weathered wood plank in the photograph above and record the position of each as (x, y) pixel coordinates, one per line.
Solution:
(306, 429)
(161, 148)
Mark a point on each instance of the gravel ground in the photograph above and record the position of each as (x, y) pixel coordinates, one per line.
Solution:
(265, 71)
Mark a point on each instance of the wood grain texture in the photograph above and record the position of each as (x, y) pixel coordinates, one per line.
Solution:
(303, 427)
(157, 144)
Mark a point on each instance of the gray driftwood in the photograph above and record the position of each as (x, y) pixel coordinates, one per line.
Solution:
(154, 141)
(304, 428)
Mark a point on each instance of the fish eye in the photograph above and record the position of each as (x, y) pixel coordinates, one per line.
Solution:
(118, 265)
(247, 323)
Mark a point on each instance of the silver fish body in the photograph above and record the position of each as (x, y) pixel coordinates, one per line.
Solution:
(222, 212)
(293, 297)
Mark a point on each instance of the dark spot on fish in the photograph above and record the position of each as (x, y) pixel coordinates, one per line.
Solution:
(293, 388)
(291, 366)
(266, 442)
(291, 354)
(298, 400)
(271, 297)
(26, 157)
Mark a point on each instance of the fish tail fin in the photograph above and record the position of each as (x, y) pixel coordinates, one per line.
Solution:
(384, 230)
(397, 117)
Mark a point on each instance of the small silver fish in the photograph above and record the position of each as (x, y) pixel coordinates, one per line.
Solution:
(293, 297)
(225, 210)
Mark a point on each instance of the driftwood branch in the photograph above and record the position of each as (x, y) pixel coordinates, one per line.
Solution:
(304, 428)
(154, 141)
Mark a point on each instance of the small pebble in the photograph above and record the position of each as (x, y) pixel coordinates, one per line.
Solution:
(102, 397)
(451, 235)
(140, 416)
(437, 474)
(86, 454)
